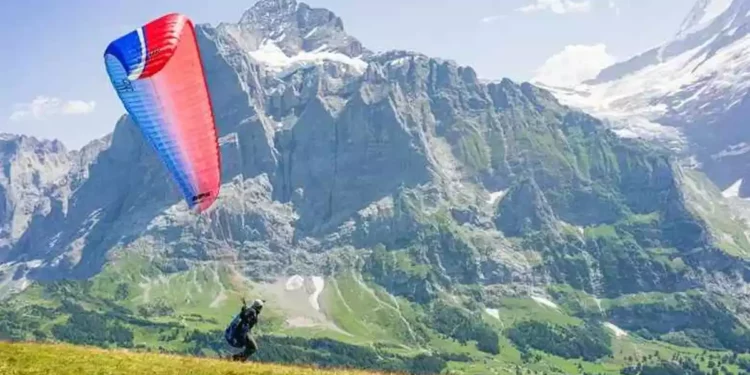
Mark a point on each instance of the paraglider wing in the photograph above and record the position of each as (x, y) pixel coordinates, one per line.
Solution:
(158, 75)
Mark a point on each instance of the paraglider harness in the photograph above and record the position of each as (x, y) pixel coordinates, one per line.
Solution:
(236, 332)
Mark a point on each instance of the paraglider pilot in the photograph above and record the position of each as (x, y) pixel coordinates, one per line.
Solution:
(238, 333)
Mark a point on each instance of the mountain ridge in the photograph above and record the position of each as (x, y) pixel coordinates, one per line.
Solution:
(682, 91)
(400, 197)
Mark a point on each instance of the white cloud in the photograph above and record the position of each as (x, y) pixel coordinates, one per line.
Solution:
(558, 6)
(573, 65)
(43, 106)
(491, 19)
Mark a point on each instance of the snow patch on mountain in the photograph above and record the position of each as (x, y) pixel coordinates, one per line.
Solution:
(629, 122)
(495, 313)
(295, 282)
(273, 59)
(713, 9)
(689, 94)
(698, 84)
(319, 284)
(496, 196)
(703, 13)
(619, 332)
(635, 94)
(733, 190)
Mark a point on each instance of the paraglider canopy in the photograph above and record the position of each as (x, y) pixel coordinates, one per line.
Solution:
(157, 72)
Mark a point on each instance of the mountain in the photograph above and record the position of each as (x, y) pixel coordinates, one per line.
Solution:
(690, 92)
(397, 214)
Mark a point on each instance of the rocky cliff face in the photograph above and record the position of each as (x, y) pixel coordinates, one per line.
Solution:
(32, 170)
(399, 166)
(327, 145)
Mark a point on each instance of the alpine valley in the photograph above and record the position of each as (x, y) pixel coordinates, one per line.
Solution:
(398, 213)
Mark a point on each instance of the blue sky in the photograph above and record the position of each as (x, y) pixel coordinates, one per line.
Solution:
(55, 85)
